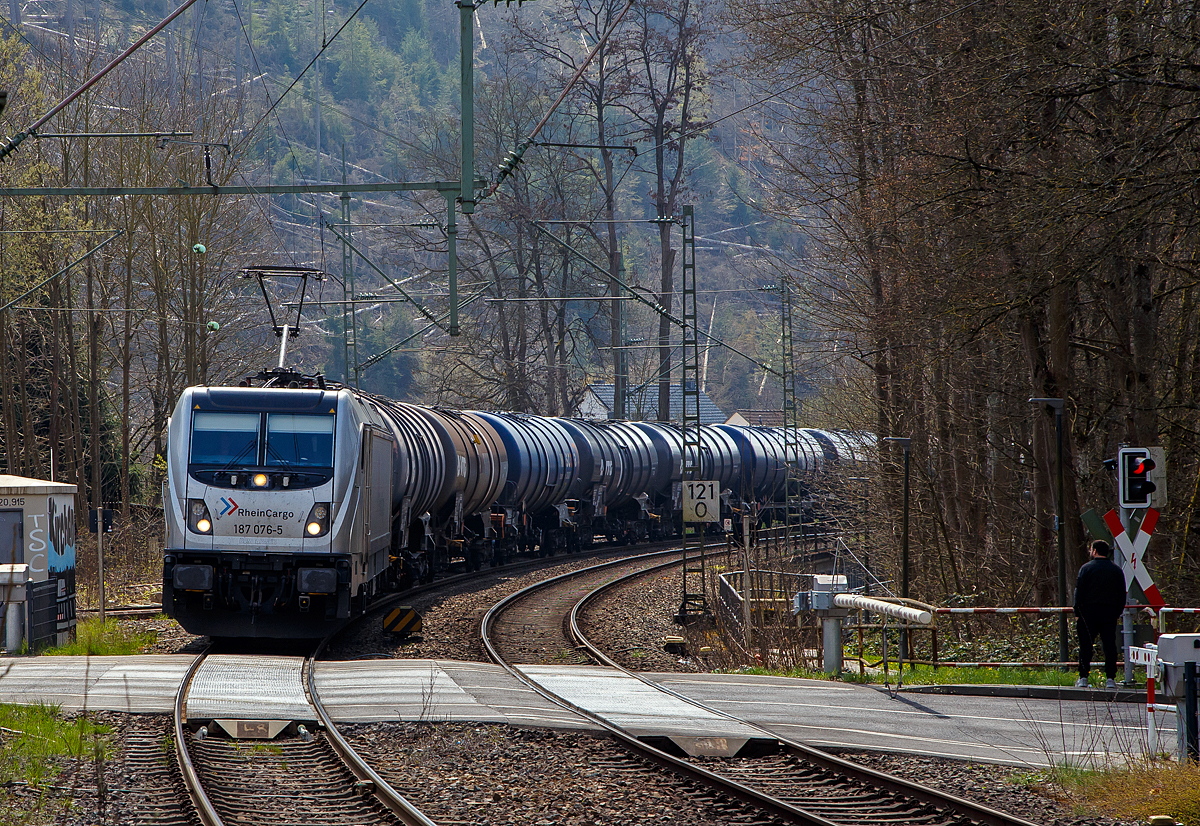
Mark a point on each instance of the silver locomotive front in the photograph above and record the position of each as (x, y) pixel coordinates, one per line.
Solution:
(268, 504)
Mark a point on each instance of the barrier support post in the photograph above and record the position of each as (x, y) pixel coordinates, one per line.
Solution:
(862, 668)
(1189, 707)
(885, 651)
(1151, 728)
(1127, 637)
(831, 644)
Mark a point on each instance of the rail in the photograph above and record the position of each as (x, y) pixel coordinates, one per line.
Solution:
(191, 778)
(406, 812)
(978, 812)
(746, 794)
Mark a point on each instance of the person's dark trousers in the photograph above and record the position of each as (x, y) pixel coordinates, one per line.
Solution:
(1089, 626)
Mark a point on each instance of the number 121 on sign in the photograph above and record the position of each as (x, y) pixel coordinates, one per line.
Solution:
(700, 502)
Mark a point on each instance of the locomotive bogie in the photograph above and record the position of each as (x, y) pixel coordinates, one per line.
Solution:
(271, 595)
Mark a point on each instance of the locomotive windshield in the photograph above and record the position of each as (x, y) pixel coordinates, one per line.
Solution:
(231, 440)
(224, 438)
(299, 440)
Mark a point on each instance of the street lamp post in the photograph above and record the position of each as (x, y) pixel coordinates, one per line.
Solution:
(906, 443)
(1059, 524)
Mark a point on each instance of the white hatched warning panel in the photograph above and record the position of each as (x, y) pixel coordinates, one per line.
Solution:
(642, 709)
(249, 687)
(434, 691)
(140, 685)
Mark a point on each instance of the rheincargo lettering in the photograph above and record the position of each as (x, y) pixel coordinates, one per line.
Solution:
(266, 514)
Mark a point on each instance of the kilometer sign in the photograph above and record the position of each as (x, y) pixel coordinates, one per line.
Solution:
(700, 502)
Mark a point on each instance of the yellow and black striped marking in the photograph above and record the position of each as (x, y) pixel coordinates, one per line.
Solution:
(403, 621)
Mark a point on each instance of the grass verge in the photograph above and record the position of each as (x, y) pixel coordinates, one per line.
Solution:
(35, 743)
(99, 639)
(928, 675)
(1135, 793)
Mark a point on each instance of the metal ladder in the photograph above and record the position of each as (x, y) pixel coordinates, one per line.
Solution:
(349, 318)
(694, 600)
(793, 515)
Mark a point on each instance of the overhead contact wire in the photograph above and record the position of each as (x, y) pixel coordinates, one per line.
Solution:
(514, 158)
(12, 143)
(325, 44)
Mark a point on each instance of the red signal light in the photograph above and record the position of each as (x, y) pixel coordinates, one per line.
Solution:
(1135, 483)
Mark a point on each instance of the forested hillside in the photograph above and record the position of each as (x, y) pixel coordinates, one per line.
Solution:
(970, 206)
(1010, 195)
(235, 85)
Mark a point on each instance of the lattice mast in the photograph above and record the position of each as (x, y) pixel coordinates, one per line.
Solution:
(693, 603)
(349, 318)
(793, 518)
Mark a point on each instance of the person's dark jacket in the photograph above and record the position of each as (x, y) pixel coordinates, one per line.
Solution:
(1100, 588)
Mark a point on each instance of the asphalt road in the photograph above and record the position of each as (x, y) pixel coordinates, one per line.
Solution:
(1079, 726)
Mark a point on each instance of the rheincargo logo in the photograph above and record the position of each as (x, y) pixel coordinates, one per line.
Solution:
(264, 514)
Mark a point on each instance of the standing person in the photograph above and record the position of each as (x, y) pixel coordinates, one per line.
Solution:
(1099, 601)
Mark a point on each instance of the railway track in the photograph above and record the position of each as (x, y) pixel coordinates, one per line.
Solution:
(306, 778)
(530, 630)
(298, 779)
(798, 784)
(516, 566)
(317, 779)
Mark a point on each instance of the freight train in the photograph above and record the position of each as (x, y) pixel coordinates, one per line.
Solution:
(292, 504)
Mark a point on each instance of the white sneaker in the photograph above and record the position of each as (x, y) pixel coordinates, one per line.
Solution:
(1111, 685)
(1082, 682)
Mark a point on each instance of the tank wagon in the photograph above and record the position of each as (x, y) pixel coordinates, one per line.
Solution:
(290, 506)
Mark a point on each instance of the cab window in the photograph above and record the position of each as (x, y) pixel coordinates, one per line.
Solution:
(299, 440)
(224, 438)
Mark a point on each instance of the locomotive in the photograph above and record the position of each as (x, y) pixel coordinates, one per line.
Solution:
(291, 505)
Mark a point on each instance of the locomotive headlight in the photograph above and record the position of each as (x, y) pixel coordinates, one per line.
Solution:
(317, 523)
(199, 520)
(260, 480)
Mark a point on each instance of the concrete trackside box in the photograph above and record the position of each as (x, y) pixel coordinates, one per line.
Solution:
(37, 561)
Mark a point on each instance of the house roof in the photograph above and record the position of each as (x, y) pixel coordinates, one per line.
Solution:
(24, 486)
(757, 418)
(642, 403)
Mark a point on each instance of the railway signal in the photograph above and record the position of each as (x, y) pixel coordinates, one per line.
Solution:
(1135, 470)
